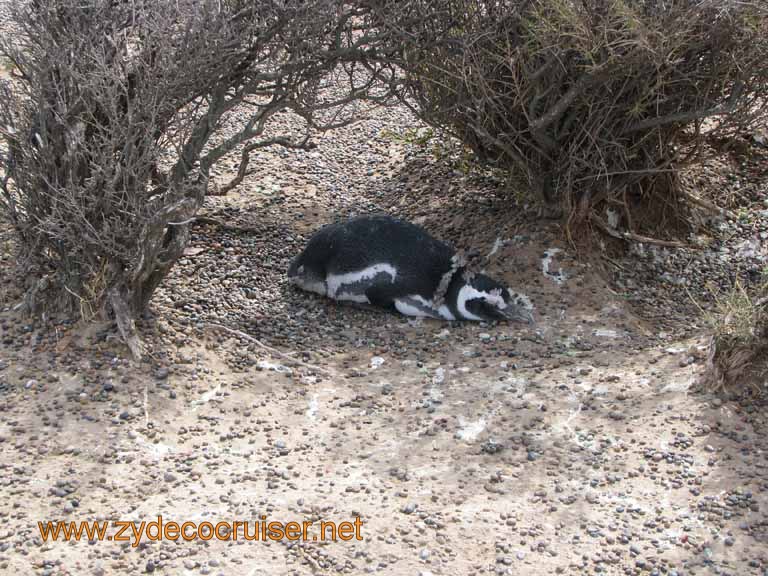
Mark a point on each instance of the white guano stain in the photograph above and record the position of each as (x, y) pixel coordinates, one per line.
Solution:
(470, 430)
(560, 277)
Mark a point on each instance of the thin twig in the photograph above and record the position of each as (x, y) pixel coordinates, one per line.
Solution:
(183, 223)
(636, 237)
(619, 266)
(224, 225)
(626, 172)
(268, 348)
(710, 206)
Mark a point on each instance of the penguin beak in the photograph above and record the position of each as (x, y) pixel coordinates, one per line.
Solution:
(518, 314)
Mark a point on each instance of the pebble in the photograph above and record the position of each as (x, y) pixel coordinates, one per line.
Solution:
(602, 455)
(409, 508)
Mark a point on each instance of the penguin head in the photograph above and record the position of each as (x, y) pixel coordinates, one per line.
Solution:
(296, 271)
(299, 274)
(296, 267)
(482, 298)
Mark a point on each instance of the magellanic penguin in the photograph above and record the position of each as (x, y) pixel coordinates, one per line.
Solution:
(386, 262)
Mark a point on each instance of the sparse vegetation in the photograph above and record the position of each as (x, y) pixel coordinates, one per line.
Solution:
(592, 105)
(738, 353)
(579, 444)
(113, 123)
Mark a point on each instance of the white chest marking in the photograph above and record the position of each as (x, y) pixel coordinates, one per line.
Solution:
(336, 281)
(352, 297)
(406, 307)
(417, 305)
(445, 313)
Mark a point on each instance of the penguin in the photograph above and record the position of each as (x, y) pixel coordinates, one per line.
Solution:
(385, 262)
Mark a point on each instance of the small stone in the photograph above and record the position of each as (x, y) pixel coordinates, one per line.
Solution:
(490, 446)
(161, 373)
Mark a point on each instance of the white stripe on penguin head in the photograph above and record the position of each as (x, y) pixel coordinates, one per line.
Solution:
(468, 292)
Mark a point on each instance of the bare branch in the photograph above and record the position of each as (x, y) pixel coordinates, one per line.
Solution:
(126, 324)
(115, 119)
(635, 237)
(570, 94)
(248, 338)
(245, 158)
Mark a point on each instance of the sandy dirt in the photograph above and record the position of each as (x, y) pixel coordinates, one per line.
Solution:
(574, 446)
(579, 445)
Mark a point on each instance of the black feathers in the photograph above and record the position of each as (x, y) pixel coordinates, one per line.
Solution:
(389, 263)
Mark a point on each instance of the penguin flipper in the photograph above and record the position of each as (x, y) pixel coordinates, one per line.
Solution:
(381, 297)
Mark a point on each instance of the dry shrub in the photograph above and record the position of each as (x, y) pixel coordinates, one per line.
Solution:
(738, 349)
(592, 104)
(113, 121)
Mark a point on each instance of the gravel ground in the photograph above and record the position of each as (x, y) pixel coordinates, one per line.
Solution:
(579, 445)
